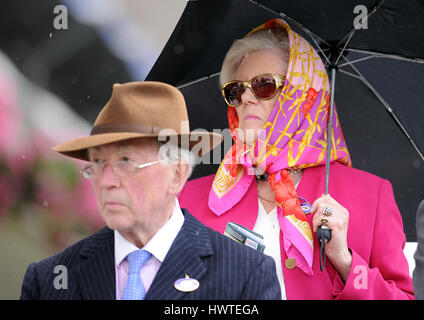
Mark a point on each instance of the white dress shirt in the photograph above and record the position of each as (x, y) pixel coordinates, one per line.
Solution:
(267, 226)
(158, 246)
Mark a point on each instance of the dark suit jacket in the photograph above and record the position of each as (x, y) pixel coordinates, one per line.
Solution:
(224, 268)
(418, 275)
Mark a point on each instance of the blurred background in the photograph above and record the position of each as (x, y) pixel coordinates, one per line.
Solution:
(56, 74)
(53, 83)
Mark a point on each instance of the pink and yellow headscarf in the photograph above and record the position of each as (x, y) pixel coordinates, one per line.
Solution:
(295, 137)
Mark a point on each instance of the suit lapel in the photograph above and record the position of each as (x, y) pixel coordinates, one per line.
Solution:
(96, 276)
(184, 257)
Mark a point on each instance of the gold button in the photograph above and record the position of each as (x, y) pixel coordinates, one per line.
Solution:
(290, 263)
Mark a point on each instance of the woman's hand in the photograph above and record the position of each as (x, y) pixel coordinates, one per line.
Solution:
(338, 220)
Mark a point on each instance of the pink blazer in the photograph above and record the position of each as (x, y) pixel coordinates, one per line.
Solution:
(375, 234)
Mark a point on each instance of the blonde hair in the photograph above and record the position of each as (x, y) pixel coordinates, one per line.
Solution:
(275, 39)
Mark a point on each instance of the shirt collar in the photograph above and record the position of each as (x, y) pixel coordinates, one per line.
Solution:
(159, 244)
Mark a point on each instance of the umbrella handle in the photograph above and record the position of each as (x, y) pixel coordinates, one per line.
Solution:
(324, 235)
(323, 232)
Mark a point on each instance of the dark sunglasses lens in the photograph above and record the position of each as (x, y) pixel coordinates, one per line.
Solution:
(264, 87)
(233, 93)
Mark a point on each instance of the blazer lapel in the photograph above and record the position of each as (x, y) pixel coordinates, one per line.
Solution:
(96, 276)
(184, 258)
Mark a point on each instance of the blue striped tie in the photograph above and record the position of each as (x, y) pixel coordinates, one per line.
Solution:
(134, 289)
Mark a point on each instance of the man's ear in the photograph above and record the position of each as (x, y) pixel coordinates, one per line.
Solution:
(179, 176)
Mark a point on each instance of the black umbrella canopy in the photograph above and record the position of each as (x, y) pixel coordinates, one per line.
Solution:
(376, 138)
(207, 29)
(394, 26)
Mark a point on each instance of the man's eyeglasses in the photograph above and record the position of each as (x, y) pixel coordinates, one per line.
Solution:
(263, 86)
(122, 168)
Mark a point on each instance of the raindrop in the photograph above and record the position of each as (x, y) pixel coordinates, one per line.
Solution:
(417, 163)
(23, 157)
(50, 35)
(45, 203)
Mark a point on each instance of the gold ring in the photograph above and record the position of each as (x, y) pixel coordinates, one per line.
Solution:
(324, 221)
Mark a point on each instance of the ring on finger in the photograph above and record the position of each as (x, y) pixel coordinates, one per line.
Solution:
(327, 211)
(324, 221)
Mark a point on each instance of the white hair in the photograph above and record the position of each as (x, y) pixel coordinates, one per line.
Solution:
(275, 39)
(173, 153)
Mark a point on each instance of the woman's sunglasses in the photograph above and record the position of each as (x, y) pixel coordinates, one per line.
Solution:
(263, 86)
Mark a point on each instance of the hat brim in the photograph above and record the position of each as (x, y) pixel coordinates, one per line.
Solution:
(77, 148)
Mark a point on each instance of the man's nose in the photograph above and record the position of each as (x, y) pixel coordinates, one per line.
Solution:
(108, 178)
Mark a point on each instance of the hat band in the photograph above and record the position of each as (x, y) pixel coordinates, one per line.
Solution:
(124, 127)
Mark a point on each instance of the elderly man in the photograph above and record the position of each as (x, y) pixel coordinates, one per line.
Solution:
(150, 249)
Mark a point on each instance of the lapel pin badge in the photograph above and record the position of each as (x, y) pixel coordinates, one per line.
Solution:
(186, 284)
(305, 205)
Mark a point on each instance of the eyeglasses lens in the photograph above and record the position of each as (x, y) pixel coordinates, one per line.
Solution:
(233, 93)
(121, 168)
(264, 87)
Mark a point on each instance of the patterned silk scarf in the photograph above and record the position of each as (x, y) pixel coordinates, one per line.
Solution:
(294, 136)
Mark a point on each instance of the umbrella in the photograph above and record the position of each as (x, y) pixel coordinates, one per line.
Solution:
(375, 48)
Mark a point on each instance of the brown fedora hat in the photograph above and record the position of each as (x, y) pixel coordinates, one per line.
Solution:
(142, 109)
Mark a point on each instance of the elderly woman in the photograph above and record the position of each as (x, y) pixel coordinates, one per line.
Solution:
(272, 179)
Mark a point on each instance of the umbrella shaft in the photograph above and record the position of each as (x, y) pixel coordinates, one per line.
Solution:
(330, 129)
